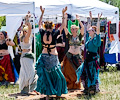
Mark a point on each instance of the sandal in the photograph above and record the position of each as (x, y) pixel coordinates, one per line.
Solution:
(34, 92)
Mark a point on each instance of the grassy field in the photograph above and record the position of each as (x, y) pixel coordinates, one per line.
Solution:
(110, 89)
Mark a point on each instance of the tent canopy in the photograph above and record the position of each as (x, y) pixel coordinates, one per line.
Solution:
(82, 7)
(54, 7)
(17, 8)
(95, 6)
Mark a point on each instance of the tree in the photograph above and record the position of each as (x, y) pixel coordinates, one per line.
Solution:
(2, 21)
(115, 3)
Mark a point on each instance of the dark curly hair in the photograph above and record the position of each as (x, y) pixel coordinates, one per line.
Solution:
(48, 24)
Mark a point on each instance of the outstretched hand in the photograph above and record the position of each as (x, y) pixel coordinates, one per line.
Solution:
(42, 9)
(99, 15)
(64, 10)
(90, 14)
(27, 17)
(77, 17)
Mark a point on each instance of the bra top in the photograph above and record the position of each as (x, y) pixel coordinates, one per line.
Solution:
(74, 41)
(3, 46)
(25, 45)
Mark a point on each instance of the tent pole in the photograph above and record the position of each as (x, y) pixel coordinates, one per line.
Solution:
(34, 37)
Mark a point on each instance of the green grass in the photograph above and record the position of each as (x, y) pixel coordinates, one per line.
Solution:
(5, 91)
(109, 86)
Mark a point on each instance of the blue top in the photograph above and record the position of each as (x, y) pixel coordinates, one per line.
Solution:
(92, 45)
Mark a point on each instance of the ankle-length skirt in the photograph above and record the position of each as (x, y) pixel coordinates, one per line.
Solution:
(69, 65)
(51, 81)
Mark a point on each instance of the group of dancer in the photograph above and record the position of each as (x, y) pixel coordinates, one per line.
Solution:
(49, 76)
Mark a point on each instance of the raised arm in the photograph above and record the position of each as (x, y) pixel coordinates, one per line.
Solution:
(90, 21)
(63, 23)
(81, 24)
(26, 39)
(40, 20)
(65, 26)
(98, 24)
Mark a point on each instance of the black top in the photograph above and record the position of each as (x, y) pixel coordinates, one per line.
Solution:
(61, 38)
(3, 46)
(54, 36)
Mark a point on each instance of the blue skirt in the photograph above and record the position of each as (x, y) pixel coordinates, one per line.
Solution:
(89, 72)
(51, 81)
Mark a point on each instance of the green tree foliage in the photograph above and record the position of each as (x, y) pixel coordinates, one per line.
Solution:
(2, 21)
(115, 3)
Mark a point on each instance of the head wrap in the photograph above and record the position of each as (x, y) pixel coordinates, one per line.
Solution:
(5, 34)
(73, 23)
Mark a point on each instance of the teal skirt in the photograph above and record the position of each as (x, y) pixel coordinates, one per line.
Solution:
(51, 81)
(88, 72)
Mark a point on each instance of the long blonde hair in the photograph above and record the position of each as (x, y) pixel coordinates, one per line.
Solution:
(22, 35)
(76, 27)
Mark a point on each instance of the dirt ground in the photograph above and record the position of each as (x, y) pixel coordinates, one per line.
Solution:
(72, 95)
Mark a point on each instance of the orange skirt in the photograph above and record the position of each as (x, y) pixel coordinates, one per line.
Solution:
(69, 66)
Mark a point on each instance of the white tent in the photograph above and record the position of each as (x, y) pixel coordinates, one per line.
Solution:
(14, 13)
(82, 7)
(17, 8)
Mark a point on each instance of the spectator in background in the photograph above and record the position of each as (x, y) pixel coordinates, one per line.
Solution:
(61, 46)
(6, 64)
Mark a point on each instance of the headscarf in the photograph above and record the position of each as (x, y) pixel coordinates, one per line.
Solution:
(4, 33)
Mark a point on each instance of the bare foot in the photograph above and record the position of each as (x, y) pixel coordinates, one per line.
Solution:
(47, 97)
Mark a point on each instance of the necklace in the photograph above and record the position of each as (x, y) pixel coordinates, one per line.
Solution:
(74, 38)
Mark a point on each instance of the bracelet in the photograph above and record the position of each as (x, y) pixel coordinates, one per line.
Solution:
(8, 39)
(63, 18)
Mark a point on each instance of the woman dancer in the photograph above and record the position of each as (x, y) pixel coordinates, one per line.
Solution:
(61, 46)
(73, 59)
(51, 81)
(90, 68)
(6, 68)
(28, 78)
